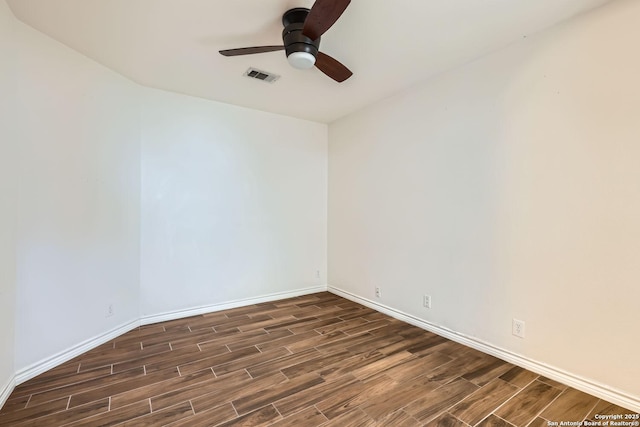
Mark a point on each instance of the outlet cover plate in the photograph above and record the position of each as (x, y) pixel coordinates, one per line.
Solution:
(426, 301)
(517, 328)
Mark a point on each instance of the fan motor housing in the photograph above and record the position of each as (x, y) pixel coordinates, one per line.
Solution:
(294, 40)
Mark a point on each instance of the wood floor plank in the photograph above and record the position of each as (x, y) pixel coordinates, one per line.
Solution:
(460, 366)
(434, 403)
(254, 359)
(69, 389)
(330, 300)
(213, 417)
(162, 417)
(35, 411)
(64, 370)
(354, 418)
(259, 417)
(375, 316)
(309, 417)
(355, 395)
(114, 417)
(367, 342)
(528, 403)
(346, 342)
(494, 421)
(398, 396)
(539, 422)
(15, 403)
(417, 366)
(276, 365)
(403, 344)
(316, 359)
(356, 311)
(264, 324)
(212, 396)
(58, 382)
(217, 360)
(111, 389)
(314, 364)
(136, 334)
(552, 383)
(487, 372)
(244, 311)
(287, 322)
(200, 323)
(289, 340)
(69, 416)
(454, 349)
(367, 327)
(519, 377)
(158, 388)
(228, 338)
(177, 358)
(571, 405)
(219, 384)
(121, 356)
(427, 345)
(155, 362)
(313, 395)
(198, 336)
(399, 419)
(248, 341)
(264, 397)
(308, 301)
(242, 321)
(340, 325)
(312, 342)
(481, 403)
(297, 329)
(382, 365)
(446, 420)
(174, 335)
(348, 365)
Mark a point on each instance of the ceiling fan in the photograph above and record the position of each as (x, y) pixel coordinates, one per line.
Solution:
(301, 36)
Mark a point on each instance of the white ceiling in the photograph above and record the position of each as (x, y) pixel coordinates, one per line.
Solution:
(388, 44)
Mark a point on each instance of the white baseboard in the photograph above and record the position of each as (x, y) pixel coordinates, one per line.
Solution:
(44, 365)
(180, 314)
(599, 390)
(6, 390)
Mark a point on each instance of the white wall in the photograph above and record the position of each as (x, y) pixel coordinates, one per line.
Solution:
(506, 188)
(78, 240)
(234, 203)
(509, 187)
(8, 191)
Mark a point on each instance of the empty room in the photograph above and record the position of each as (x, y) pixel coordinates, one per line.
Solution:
(320, 213)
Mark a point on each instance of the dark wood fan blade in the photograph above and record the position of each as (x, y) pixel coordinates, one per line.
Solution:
(323, 14)
(250, 50)
(332, 68)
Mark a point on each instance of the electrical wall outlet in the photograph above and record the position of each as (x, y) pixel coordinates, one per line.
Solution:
(426, 301)
(378, 293)
(109, 310)
(517, 328)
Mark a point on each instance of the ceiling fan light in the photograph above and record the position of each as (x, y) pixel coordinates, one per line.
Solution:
(301, 60)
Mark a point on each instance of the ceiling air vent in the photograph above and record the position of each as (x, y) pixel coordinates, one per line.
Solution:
(265, 76)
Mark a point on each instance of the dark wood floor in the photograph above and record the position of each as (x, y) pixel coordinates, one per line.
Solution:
(316, 360)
